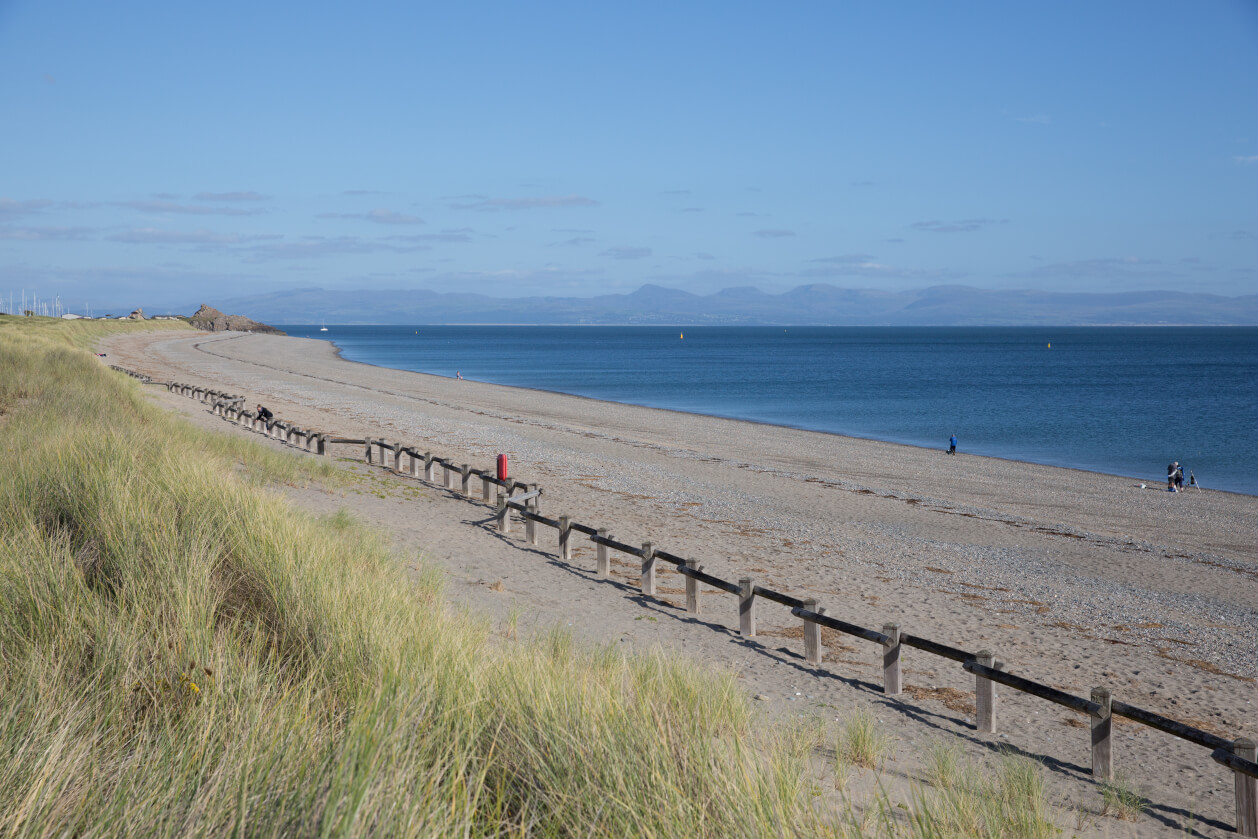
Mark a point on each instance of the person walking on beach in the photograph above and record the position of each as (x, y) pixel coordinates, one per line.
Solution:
(1179, 478)
(952, 444)
(1170, 476)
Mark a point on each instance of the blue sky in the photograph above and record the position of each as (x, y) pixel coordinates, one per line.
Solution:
(161, 154)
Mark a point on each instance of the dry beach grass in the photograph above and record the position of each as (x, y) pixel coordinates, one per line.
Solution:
(1073, 578)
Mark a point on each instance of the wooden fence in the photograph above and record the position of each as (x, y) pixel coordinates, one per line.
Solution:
(1240, 755)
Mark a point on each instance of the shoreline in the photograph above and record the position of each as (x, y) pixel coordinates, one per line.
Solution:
(1075, 578)
(1126, 467)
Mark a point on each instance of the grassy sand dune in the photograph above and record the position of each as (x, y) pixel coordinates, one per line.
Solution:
(183, 654)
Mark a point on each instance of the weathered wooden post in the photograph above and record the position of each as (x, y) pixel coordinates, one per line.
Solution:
(648, 568)
(465, 473)
(891, 684)
(565, 532)
(602, 565)
(812, 634)
(985, 694)
(368, 450)
(1246, 789)
(746, 608)
(428, 459)
(1102, 735)
(323, 444)
(504, 520)
(447, 475)
(692, 588)
(530, 527)
(537, 499)
(485, 484)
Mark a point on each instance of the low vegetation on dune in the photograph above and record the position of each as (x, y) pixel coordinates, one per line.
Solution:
(181, 653)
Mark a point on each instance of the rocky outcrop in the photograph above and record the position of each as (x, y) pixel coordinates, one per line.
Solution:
(212, 320)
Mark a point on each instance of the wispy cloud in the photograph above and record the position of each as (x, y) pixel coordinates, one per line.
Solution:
(170, 207)
(1241, 235)
(10, 209)
(231, 196)
(44, 234)
(318, 247)
(532, 203)
(153, 236)
(1106, 268)
(574, 242)
(443, 236)
(967, 225)
(868, 269)
(1246, 159)
(377, 217)
(845, 259)
(773, 234)
(627, 253)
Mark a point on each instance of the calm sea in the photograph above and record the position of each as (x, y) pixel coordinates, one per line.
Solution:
(1121, 400)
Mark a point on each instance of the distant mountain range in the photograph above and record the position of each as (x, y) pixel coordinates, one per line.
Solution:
(817, 304)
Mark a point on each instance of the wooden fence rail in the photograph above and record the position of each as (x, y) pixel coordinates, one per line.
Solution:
(1238, 755)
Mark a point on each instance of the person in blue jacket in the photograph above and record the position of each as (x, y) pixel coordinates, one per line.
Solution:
(952, 444)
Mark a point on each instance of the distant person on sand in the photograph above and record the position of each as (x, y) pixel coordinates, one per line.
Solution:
(1170, 476)
(458, 374)
(265, 414)
(952, 444)
(1179, 478)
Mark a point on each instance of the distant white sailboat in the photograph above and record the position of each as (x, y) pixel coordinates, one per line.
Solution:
(324, 328)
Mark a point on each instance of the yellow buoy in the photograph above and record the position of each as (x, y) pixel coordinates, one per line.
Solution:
(1050, 345)
(683, 335)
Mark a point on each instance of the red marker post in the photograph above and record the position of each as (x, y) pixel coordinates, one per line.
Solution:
(502, 467)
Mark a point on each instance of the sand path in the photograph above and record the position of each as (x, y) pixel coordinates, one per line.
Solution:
(1073, 578)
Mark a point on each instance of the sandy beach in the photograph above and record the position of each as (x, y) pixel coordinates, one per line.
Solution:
(1072, 578)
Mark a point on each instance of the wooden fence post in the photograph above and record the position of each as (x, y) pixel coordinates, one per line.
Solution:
(530, 527)
(603, 564)
(537, 499)
(446, 480)
(504, 518)
(428, 476)
(368, 452)
(323, 444)
(1246, 790)
(812, 634)
(565, 552)
(985, 694)
(746, 608)
(891, 685)
(484, 487)
(692, 588)
(465, 475)
(1102, 735)
(648, 568)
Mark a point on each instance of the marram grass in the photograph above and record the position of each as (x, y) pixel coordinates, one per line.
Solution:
(183, 654)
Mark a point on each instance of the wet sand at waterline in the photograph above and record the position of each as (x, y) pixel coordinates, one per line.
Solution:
(1072, 578)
